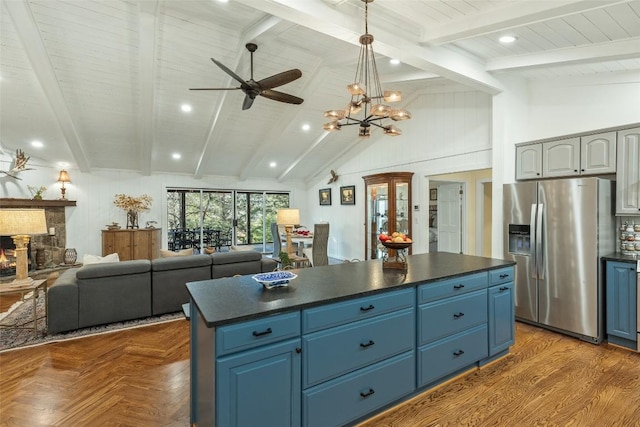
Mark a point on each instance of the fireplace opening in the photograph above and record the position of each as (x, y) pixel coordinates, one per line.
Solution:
(8, 256)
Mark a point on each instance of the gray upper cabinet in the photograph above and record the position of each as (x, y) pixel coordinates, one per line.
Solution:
(628, 173)
(561, 158)
(529, 161)
(581, 155)
(598, 154)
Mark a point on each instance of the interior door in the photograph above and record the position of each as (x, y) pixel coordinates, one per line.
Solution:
(449, 218)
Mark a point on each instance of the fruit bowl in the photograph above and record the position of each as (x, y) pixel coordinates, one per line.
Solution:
(396, 245)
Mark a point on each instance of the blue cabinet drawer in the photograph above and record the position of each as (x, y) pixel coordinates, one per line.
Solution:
(337, 402)
(445, 317)
(246, 335)
(337, 351)
(502, 275)
(315, 319)
(450, 287)
(449, 355)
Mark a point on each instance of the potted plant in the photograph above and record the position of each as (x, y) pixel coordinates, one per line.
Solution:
(133, 206)
(285, 260)
(37, 192)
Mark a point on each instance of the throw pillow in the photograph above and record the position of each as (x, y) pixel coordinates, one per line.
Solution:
(95, 259)
(241, 248)
(165, 253)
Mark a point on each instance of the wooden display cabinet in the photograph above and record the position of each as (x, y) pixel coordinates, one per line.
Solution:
(132, 243)
(387, 208)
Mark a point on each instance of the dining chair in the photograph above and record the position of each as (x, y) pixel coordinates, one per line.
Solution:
(317, 253)
(277, 242)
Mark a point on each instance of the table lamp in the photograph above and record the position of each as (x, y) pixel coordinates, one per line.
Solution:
(63, 177)
(288, 217)
(21, 224)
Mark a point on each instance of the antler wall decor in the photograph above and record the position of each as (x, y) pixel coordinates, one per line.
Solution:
(19, 165)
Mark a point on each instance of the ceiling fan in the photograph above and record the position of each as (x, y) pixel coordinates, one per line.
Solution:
(263, 87)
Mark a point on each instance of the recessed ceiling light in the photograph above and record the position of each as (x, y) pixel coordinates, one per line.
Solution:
(63, 164)
(273, 164)
(37, 144)
(507, 39)
(176, 156)
(306, 126)
(185, 107)
(394, 61)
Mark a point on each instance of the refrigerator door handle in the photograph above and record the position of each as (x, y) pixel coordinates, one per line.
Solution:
(532, 228)
(539, 242)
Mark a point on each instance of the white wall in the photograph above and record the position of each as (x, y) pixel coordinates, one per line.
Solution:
(449, 132)
(95, 192)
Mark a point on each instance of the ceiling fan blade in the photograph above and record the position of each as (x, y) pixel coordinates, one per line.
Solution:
(281, 96)
(280, 79)
(247, 103)
(215, 88)
(243, 84)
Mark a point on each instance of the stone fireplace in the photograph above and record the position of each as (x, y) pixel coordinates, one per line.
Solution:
(52, 246)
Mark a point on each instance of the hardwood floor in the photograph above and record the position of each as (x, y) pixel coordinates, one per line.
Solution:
(140, 377)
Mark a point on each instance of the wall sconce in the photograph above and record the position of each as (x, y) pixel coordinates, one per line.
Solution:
(63, 177)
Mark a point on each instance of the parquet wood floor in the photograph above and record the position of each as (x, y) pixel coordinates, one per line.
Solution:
(140, 377)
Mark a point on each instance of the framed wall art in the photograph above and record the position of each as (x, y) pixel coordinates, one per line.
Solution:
(433, 194)
(348, 195)
(325, 197)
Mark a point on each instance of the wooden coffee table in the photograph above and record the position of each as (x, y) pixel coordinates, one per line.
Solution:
(32, 289)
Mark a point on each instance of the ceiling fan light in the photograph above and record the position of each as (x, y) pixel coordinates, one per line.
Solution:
(391, 130)
(392, 96)
(380, 110)
(332, 126)
(364, 131)
(356, 89)
(334, 114)
(400, 114)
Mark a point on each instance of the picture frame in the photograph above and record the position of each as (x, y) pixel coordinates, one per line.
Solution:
(325, 196)
(348, 195)
(433, 194)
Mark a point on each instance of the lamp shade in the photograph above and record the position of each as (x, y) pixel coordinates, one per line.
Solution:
(63, 176)
(288, 216)
(22, 222)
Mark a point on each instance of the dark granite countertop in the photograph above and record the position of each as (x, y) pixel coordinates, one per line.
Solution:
(617, 256)
(233, 299)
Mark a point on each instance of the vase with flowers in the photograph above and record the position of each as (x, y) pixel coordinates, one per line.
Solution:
(37, 192)
(133, 206)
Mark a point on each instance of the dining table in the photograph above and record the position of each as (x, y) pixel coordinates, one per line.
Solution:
(300, 240)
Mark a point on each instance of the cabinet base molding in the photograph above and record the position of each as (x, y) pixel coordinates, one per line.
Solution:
(494, 359)
(623, 343)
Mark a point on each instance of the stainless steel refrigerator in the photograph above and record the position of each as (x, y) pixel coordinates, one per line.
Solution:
(556, 231)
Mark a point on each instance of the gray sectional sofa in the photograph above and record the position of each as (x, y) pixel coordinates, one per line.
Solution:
(97, 294)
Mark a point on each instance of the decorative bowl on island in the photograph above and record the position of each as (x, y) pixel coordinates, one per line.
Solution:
(274, 279)
(396, 245)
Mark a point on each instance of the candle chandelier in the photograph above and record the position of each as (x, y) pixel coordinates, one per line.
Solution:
(366, 107)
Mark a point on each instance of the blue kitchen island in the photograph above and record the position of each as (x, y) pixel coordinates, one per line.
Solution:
(343, 342)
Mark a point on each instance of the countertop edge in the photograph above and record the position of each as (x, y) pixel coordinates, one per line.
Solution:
(246, 282)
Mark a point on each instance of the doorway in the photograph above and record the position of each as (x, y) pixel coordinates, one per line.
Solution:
(449, 213)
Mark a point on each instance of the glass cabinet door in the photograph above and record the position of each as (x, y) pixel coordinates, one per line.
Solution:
(377, 217)
(387, 209)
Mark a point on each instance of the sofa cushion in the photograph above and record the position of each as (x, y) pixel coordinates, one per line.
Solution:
(234, 257)
(122, 268)
(173, 263)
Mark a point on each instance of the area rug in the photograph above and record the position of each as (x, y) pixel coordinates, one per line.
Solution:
(21, 314)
